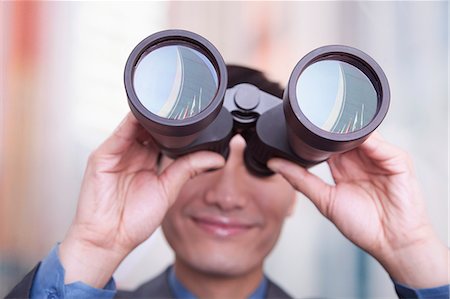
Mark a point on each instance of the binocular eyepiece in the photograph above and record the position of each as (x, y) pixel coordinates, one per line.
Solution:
(176, 82)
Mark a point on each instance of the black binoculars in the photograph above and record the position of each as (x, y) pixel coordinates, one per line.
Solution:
(176, 82)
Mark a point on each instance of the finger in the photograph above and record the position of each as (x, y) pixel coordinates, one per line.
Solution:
(125, 135)
(307, 183)
(385, 155)
(377, 148)
(186, 167)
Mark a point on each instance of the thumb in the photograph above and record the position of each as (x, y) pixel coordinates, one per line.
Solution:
(185, 168)
(305, 182)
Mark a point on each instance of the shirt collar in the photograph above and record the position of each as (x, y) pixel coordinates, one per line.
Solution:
(181, 292)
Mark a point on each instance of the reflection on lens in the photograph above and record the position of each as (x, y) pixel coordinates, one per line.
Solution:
(175, 82)
(336, 96)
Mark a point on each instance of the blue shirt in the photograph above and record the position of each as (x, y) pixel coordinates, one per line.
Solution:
(180, 291)
(49, 283)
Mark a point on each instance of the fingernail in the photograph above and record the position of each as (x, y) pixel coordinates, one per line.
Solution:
(274, 165)
(215, 162)
(212, 169)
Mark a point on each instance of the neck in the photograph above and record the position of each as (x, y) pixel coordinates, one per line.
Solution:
(216, 286)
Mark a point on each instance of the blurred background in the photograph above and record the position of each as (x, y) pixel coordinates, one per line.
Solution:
(62, 93)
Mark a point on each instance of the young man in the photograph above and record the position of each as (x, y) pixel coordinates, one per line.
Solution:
(223, 223)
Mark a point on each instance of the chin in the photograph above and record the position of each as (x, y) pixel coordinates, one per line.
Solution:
(219, 263)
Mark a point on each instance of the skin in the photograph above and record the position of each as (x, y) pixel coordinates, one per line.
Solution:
(223, 224)
(375, 202)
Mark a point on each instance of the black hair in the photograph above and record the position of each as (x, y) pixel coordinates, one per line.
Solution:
(239, 74)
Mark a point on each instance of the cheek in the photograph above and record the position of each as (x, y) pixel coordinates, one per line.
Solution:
(274, 201)
(193, 190)
(275, 198)
(190, 194)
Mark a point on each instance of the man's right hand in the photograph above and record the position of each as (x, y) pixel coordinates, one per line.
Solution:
(123, 200)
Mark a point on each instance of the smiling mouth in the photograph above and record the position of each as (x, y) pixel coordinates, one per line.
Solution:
(222, 227)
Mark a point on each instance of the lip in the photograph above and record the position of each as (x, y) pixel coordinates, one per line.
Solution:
(222, 226)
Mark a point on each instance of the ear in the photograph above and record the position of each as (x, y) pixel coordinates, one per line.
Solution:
(292, 204)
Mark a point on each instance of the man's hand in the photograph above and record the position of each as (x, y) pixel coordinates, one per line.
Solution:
(377, 204)
(122, 202)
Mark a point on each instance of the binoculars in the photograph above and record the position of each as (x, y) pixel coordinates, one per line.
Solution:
(176, 83)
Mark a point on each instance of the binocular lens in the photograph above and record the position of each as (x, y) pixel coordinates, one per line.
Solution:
(336, 96)
(175, 81)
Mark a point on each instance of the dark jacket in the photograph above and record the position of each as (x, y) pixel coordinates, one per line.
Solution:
(157, 288)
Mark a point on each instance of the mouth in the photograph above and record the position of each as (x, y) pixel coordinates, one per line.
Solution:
(222, 226)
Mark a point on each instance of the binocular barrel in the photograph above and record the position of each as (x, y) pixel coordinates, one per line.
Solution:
(176, 82)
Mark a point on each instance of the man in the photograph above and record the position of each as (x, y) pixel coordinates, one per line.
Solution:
(223, 223)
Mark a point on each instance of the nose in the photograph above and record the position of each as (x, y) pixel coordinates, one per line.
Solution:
(229, 191)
